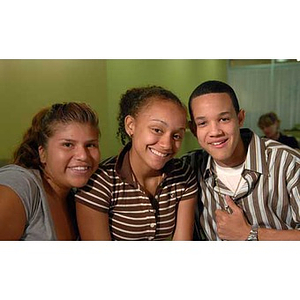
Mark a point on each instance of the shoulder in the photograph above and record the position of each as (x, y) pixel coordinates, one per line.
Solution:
(288, 140)
(279, 150)
(177, 165)
(109, 162)
(195, 158)
(107, 166)
(26, 183)
(104, 176)
(16, 175)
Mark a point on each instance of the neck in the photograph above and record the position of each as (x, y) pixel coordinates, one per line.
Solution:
(142, 172)
(149, 179)
(54, 190)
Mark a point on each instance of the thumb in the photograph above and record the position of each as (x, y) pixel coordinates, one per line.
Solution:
(231, 204)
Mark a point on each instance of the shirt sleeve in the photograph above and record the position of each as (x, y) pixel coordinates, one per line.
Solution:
(293, 179)
(97, 192)
(24, 185)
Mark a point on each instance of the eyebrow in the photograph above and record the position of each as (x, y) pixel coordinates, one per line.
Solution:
(166, 124)
(160, 121)
(219, 115)
(71, 140)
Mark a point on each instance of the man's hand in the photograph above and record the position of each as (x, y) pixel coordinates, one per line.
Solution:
(234, 226)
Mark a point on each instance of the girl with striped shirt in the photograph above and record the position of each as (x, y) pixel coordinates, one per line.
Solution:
(144, 193)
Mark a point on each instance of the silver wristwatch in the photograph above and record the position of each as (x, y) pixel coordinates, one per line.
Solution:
(253, 235)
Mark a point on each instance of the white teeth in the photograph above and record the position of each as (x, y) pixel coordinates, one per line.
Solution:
(79, 168)
(215, 144)
(158, 153)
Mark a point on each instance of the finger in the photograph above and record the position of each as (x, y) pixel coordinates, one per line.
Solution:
(220, 213)
(231, 204)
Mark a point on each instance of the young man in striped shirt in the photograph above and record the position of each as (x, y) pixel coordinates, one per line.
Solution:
(249, 186)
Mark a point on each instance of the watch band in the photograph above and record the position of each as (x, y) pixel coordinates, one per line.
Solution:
(253, 235)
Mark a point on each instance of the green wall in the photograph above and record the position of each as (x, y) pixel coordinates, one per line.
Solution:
(28, 85)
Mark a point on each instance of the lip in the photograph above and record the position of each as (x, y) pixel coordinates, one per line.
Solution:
(159, 153)
(219, 143)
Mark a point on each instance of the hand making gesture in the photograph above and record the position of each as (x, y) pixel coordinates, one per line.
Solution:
(234, 226)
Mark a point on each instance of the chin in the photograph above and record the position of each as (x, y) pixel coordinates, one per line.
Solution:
(79, 184)
(223, 160)
(157, 167)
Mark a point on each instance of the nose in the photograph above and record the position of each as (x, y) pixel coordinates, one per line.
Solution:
(214, 129)
(166, 142)
(81, 153)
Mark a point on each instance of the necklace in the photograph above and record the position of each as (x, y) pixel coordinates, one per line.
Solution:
(227, 208)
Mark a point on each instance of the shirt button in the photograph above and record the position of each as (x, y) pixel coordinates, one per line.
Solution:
(152, 225)
(150, 238)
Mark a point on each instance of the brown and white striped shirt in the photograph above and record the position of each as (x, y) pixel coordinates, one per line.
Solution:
(133, 213)
(270, 197)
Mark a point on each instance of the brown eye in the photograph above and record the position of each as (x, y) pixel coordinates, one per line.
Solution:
(157, 130)
(224, 119)
(177, 137)
(201, 124)
(92, 145)
(68, 145)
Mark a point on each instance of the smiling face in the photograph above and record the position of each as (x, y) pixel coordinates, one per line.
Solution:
(217, 128)
(71, 155)
(157, 132)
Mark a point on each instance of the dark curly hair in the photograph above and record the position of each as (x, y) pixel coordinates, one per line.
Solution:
(133, 100)
(43, 127)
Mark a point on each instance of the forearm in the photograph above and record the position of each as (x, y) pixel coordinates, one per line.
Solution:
(266, 234)
(93, 225)
(185, 220)
(12, 215)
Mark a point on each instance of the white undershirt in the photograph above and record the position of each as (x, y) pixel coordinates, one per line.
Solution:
(231, 177)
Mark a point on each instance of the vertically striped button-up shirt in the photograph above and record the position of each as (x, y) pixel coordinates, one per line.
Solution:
(133, 213)
(270, 197)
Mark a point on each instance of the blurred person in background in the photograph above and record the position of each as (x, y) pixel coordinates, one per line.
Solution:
(269, 124)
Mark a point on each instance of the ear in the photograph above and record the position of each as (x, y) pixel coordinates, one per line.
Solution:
(129, 125)
(42, 154)
(192, 127)
(241, 117)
